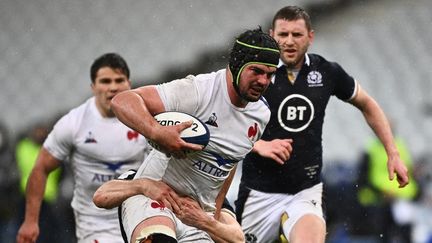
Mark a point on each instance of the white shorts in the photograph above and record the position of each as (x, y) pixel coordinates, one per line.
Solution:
(138, 208)
(262, 212)
(92, 229)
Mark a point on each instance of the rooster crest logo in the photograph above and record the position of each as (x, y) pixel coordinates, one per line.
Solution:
(252, 131)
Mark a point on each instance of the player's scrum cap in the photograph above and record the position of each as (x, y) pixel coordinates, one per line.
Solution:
(253, 46)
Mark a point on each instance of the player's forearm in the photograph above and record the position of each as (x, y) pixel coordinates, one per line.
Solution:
(130, 108)
(112, 193)
(220, 232)
(377, 120)
(34, 194)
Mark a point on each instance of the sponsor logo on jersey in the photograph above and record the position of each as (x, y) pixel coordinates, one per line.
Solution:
(101, 178)
(210, 169)
(112, 167)
(220, 160)
(115, 166)
(90, 138)
(314, 79)
(295, 113)
(212, 120)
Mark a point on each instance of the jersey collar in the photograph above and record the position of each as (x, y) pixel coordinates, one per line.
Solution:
(280, 64)
(306, 61)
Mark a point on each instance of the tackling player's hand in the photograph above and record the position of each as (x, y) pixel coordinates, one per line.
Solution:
(161, 192)
(190, 213)
(396, 165)
(277, 149)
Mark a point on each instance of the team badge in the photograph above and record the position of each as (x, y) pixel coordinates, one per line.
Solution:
(253, 130)
(314, 79)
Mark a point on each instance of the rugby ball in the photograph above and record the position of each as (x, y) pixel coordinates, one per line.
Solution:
(198, 133)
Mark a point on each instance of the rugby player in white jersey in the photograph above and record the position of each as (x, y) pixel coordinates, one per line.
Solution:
(99, 148)
(230, 102)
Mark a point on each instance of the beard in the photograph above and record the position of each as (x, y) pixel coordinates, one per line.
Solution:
(249, 97)
(294, 62)
(291, 63)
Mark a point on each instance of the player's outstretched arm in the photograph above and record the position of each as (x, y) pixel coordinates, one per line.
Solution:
(224, 230)
(45, 163)
(378, 121)
(112, 193)
(278, 150)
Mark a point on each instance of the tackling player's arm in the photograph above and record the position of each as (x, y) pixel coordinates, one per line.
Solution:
(224, 230)
(377, 120)
(136, 109)
(112, 193)
(45, 164)
(277, 149)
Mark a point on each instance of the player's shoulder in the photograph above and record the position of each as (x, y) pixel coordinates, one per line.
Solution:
(260, 105)
(317, 61)
(74, 116)
(208, 84)
(210, 78)
(260, 109)
(264, 102)
(81, 109)
(191, 80)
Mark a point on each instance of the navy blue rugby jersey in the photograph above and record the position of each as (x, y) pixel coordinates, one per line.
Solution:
(297, 112)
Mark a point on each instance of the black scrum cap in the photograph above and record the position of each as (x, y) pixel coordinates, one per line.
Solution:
(253, 46)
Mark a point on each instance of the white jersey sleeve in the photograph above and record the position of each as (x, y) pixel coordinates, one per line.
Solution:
(59, 142)
(187, 100)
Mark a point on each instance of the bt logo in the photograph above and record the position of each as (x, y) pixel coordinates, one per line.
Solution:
(295, 113)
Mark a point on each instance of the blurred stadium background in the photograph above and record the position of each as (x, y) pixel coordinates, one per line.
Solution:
(47, 47)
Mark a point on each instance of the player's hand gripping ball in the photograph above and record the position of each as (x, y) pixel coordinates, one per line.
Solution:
(198, 133)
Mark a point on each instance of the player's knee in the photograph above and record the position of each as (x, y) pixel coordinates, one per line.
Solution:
(157, 238)
(309, 228)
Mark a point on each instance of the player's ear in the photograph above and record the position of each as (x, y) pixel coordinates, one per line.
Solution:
(311, 35)
(92, 86)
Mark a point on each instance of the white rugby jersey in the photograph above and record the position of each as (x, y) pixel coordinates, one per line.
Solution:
(233, 131)
(99, 149)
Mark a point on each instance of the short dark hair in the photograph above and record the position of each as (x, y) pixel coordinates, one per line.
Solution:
(293, 13)
(112, 60)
